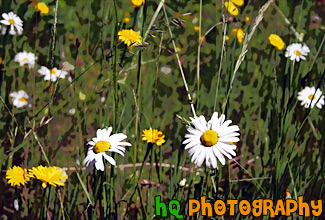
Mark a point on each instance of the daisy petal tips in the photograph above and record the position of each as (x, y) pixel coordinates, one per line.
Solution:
(101, 148)
(211, 141)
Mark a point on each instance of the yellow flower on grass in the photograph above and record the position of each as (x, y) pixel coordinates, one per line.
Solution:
(49, 175)
(126, 18)
(247, 19)
(17, 175)
(153, 136)
(129, 37)
(42, 8)
(137, 3)
(196, 28)
(238, 2)
(234, 31)
(232, 9)
(240, 35)
(276, 41)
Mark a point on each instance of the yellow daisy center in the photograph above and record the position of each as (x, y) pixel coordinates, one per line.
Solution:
(311, 97)
(25, 59)
(209, 138)
(101, 146)
(53, 71)
(23, 99)
(297, 52)
(11, 21)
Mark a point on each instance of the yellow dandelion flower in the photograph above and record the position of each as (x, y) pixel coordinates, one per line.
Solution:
(17, 175)
(129, 36)
(276, 41)
(240, 35)
(42, 8)
(196, 28)
(137, 3)
(49, 175)
(153, 136)
(232, 9)
(227, 38)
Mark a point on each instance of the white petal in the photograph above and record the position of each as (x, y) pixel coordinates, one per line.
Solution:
(110, 159)
(220, 157)
(99, 164)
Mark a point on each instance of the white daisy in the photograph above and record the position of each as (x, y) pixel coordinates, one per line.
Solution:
(310, 95)
(102, 145)
(52, 74)
(15, 23)
(297, 52)
(182, 182)
(25, 58)
(19, 99)
(211, 140)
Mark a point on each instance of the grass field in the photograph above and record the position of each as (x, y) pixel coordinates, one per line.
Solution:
(76, 112)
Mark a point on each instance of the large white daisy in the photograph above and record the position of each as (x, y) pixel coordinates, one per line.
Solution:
(297, 51)
(211, 141)
(52, 74)
(19, 99)
(310, 95)
(15, 23)
(25, 58)
(101, 146)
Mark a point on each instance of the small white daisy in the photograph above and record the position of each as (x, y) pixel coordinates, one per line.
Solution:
(211, 140)
(72, 111)
(19, 99)
(52, 74)
(308, 95)
(297, 51)
(102, 145)
(182, 182)
(25, 58)
(15, 23)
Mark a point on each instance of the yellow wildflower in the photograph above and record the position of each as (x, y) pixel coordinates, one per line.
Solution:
(17, 175)
(153, 136)
(49, 175)
(42, 8)
(137, 3)
(129, 36)
(232, 9)
(276, 41)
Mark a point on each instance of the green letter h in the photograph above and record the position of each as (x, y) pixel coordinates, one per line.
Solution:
(160, 206)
